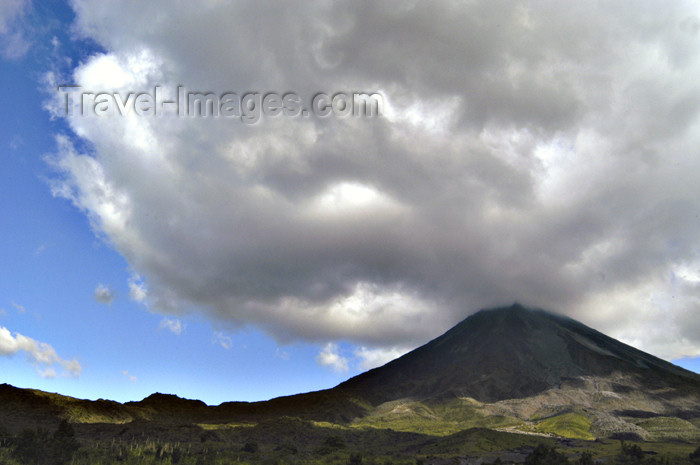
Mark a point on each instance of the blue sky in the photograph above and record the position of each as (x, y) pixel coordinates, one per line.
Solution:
(252, 262)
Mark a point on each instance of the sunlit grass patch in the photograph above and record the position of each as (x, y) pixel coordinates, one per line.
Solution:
(569, 425)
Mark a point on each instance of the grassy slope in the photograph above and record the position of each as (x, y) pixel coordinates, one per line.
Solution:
(439, 419)
(569, 425)
(661, 428)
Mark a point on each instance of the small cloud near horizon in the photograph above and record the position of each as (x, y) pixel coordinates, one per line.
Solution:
(40, 354)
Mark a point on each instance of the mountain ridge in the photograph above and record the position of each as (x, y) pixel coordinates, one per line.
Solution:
(504, 367)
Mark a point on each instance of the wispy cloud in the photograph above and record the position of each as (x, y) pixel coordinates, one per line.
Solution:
(47, 373)
(329, 357)
(222, 339)
(174, 325)
(12, 34)
(16, 142)
(104, 294)
(40, 354)
(18, 307)
(129, 376)
(283, 354)
(41, 248)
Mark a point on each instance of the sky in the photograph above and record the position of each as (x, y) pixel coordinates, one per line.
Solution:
(540, 152)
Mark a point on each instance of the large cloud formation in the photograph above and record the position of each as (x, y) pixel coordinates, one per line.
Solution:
(543, 152)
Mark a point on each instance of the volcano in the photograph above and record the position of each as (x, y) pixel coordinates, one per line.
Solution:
(516, 352)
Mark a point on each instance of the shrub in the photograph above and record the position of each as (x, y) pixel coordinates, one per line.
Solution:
(30, 445)
(629, 454)
(287, 449)
(5, 437)
(38, 447)
(331, 444)
(63, 444)
(585, 459)
(335, 442)
(251, 447)
(543, 455)
(695, 456)
(176, 455)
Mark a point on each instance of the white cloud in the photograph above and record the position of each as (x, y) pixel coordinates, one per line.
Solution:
(546, 160)
(374, 357)
(40, 354)
(221, 339)
(137, 290)
(104, 295)
(129, 376)
(329, 357)
(173, 325)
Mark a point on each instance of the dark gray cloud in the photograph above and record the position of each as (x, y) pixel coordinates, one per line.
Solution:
(542, 152)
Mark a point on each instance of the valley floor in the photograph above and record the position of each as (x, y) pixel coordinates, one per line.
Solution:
(292, 441)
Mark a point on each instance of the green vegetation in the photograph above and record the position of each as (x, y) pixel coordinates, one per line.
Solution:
(661, 428)
(290, 441)
(82, 411)
(543, 455)
(218, 426)
(568, 425)
(39, 447)
(438, 420)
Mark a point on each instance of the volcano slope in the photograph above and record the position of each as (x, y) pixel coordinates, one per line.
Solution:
(517, 368)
